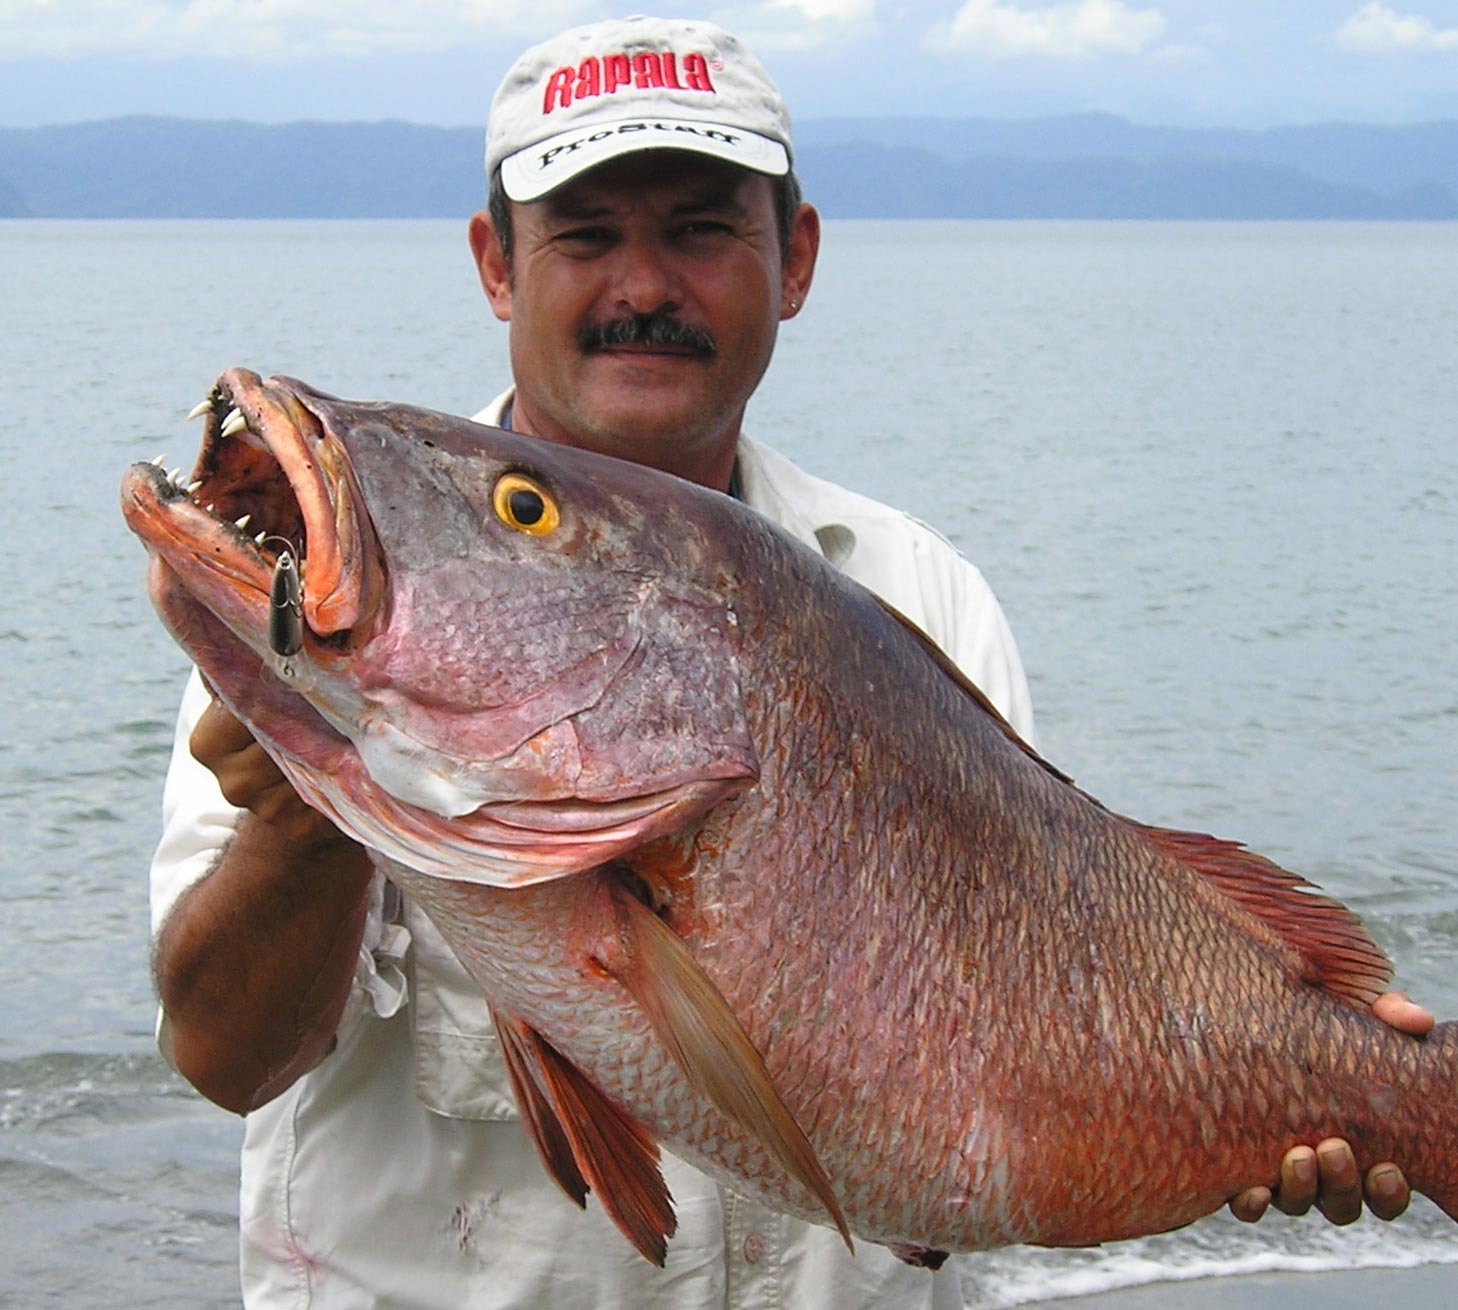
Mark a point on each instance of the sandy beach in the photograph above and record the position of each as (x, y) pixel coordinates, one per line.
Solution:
(1429, 1287)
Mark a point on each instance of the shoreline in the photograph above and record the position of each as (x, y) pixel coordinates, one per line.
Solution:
(1422, 1287)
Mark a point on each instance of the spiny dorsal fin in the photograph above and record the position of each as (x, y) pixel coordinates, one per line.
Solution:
(699, 1030)
(1339, 956)
(537, 1115)
(947, 665)
(616, 1155)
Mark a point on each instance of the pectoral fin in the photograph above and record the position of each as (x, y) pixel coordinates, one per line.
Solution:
(586, 1142)
(694, 1022)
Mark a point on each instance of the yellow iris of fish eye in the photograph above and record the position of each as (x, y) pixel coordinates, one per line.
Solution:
(522, 503)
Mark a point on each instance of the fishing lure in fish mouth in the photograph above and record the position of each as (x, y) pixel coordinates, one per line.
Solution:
(285, 608)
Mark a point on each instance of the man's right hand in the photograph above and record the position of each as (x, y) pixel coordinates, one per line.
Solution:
(250, 779)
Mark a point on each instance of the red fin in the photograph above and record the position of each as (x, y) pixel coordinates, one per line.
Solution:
(705, 1039)
(1339, 956)
(537, 1115)
(615, 1153)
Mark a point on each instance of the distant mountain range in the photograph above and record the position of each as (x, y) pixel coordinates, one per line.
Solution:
(1076, 166)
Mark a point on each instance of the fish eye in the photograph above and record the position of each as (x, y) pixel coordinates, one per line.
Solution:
(523, 504)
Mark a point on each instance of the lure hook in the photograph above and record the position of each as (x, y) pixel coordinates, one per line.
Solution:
(285, 608)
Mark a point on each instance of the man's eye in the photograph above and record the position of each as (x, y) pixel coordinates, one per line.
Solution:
(705, 227)
(584, 238)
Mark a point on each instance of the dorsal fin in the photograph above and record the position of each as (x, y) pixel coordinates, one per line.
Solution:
(945, 663)
(1338, 954)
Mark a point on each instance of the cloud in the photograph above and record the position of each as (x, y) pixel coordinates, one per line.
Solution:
(272, 30)
(1079, 30)
(801, 26)
(834, 28)
(1376, 29)
(841, 11)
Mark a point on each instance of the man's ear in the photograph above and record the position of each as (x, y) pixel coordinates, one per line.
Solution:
(491, 265)
(799, 266)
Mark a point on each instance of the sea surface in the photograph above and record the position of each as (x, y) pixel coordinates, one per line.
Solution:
(1210, 469)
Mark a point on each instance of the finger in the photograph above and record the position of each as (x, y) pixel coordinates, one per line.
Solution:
(1251, 1204)
(216, 735)
(1387, 1191)
(247, 777)
(1339, 1194)
(1299, 1177)
(283, 809)
(1396, 1010)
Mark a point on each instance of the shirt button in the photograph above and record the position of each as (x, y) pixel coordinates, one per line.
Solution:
(754, 1247)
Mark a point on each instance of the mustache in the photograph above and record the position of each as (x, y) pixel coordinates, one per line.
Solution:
(655, 329)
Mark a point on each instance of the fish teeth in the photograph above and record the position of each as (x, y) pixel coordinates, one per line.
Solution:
(192, 487)
(234, 424)
(201, 408)
(159, 461)
(242, 523)
(260, 539)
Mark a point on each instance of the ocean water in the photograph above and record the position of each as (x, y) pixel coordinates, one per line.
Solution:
(1210, 469)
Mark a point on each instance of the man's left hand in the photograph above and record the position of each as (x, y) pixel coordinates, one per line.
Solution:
(1327, 1175)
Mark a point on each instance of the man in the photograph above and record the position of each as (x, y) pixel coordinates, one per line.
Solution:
(645, 238)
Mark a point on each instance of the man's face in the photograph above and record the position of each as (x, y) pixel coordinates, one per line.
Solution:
(644, 299)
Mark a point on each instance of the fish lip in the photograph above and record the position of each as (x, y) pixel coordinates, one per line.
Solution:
(288, 479)
(570, 815)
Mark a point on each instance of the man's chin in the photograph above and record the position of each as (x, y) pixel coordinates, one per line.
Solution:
(648, 404)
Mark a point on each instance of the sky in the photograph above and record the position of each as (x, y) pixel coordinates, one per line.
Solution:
(1203, 63)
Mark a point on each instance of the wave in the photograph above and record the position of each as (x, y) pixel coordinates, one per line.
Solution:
(1217, 1248)
(57, 1090)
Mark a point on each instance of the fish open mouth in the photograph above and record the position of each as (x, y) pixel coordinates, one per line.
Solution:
(269, 480)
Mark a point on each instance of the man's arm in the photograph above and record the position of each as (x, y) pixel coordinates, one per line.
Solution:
(253, 963)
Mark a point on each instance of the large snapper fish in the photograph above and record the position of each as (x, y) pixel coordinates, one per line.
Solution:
(743, 867)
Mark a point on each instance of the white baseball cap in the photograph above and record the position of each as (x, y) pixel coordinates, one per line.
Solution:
(608, 89)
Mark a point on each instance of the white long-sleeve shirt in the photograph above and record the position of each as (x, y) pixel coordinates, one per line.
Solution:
(395, 1173)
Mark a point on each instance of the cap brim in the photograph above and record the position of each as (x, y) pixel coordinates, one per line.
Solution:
(531, 173)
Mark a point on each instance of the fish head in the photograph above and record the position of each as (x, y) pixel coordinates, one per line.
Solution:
(511, 661)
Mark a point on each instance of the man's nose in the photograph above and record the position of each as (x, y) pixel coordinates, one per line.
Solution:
(645, 278)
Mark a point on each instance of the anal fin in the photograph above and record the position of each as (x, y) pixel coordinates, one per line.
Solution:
(586, 1142)
(537, 1114)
